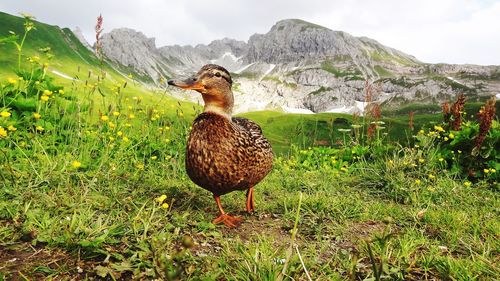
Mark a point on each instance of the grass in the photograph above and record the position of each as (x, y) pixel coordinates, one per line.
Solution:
(82, 198)
(382, 72)
(347, 74)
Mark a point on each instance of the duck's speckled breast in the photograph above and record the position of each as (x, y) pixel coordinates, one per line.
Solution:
(223, 156)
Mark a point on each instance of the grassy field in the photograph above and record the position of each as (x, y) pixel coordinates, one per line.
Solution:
(81, 187)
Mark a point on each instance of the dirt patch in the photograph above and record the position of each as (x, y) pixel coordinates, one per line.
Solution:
(364, 231)
(267, 225)
(354, 235)
(22, 260)
(254, 227)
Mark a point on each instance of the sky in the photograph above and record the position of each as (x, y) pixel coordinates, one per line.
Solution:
(434, 31)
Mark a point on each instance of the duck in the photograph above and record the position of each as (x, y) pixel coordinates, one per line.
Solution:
(223, 153)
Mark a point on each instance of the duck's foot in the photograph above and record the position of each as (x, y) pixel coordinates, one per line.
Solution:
(228, 220)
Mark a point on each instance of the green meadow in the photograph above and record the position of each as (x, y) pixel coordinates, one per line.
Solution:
(93, 185)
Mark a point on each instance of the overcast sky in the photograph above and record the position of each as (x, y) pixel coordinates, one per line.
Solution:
(450, 31)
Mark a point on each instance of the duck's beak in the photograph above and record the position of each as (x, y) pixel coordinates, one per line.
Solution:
(191, 83)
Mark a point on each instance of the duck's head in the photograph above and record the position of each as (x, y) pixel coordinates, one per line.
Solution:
(214, 83)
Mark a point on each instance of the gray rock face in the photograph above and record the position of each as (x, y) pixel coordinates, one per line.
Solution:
(134, 51)
(295, 40)
(303, 67)
(79, 35)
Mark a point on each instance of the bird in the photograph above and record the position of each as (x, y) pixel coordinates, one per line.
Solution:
(224, 153)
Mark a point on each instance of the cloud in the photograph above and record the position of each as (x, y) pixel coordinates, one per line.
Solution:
(451, 31)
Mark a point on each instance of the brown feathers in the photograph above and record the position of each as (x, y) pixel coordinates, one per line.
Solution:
(223, 155)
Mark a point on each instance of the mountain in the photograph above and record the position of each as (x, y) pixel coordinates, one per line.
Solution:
(302, 67)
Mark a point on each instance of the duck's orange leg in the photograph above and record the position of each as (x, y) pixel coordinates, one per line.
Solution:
(224, 218)
(250, 202)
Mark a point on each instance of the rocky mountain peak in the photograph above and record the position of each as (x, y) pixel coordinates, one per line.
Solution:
(124, 34)
(295, 40)
(133, 49)
(295, 24)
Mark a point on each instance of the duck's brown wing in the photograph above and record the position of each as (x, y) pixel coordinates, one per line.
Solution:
(255, 131)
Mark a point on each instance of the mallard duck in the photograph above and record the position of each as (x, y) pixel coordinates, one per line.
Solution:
(224, 153)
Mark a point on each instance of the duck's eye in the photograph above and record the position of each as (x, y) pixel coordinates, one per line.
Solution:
(217, 74)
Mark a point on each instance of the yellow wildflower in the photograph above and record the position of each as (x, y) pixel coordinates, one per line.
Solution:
(161, 198)
(125, 139)
(120, 133)
(3, 132)
(44, 98)
(5, 114)
(140, 166)
(421, 132)
(451, 135)
(486, 171)
(12, 80)
(76, 164)
(445, 138)
(47, 93)
(421, 160)
(492, 170)
(343, 169)
(111, 138)
(417, 181)
(441, 159)
(104, 118)
(165, 205)
(37, 115)
(167, 140)
(128, 125)
(439, 128)
(61, 92)
(131, 116)
(111, 124)
(459, 151)
(431, 176)
(467, 184)
(154, 157)
(116, 113)
(39, 128)
(34, 59)
(11, 128)
(167, 128)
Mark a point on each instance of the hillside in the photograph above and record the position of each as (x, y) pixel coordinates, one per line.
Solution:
(69, 61)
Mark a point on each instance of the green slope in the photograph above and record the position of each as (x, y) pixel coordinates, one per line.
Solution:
(72, 59)
(69, 52)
